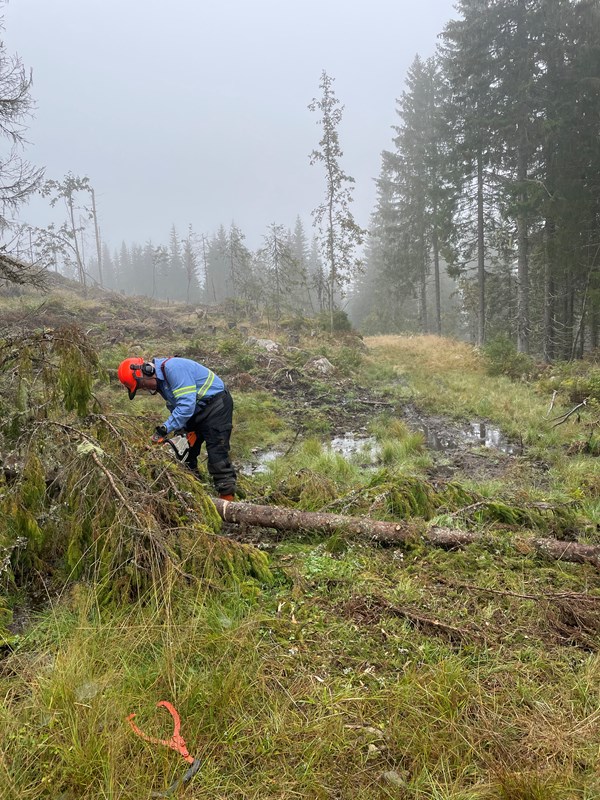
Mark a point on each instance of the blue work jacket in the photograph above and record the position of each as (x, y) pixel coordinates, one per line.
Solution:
(185, 385)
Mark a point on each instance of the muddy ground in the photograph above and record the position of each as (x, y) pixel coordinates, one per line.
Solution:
(473, 448)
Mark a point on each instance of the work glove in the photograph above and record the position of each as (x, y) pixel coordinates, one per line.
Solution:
(159, 435)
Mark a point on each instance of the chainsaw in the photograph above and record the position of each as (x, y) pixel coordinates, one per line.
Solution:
(180, 444)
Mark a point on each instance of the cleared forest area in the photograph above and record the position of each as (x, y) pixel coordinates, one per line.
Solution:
(302, 663)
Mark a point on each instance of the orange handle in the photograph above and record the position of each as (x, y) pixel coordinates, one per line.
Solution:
(176, 742)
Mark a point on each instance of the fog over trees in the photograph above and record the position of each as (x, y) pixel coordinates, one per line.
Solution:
(487, 219)
(495, 172)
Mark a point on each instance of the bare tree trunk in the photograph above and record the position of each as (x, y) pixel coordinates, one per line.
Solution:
(436, 275)
(289, 519)
(480, 251)
(423, 285)
(580, 331)
(522, 264)
(80, 264)
(549, 292)
(523, 321)
(97, 233)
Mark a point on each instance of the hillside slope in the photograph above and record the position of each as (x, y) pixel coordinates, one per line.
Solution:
(338, 669)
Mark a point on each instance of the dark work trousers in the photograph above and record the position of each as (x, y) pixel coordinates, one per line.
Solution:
(212, 424)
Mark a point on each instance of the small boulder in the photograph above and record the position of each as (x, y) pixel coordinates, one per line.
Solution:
(394, 778)
(320, 364)
(264, 344)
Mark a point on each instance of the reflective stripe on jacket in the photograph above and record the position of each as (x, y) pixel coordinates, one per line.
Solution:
(184, 384)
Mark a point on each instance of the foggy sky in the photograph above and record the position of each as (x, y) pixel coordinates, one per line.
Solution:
(195, 111)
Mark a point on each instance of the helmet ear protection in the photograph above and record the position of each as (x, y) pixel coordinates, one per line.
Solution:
(133, 370)
(147, 369)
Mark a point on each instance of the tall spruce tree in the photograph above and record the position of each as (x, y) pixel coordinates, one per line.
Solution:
(240, 278)
(338, 233)
(190, 265)
(472, 109)
(298, 244)
(216, 267)
(415, 195)
(279, 270)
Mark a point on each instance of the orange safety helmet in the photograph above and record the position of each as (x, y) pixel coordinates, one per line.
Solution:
(128, 374)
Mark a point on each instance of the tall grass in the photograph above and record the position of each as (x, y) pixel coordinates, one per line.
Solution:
(359, 673)
(307, 689)
(448, 377)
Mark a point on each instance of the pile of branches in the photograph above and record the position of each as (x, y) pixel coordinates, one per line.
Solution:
(83, 496)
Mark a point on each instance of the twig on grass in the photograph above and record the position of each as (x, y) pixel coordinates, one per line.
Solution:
(564, 417)
(551, 406)
(584, 598)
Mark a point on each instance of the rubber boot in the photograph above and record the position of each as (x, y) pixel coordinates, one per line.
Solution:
(228, 497)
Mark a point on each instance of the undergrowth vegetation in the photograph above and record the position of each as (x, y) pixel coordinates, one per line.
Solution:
(301, 666)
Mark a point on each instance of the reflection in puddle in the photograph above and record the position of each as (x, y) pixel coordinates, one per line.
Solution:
(348, 445)
(474, 433)
(261, 461)
(351, 443)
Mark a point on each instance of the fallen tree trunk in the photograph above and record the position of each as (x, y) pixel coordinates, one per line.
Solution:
(390, 533)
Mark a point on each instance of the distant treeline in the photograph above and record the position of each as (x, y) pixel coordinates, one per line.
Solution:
(284, 276)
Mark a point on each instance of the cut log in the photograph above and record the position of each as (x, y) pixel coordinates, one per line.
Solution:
(391, 533)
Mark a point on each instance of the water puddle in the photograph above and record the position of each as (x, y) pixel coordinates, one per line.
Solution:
(487, 436)
(472, 434)
(260, 462)
(354, 444)
(440, 435)
(347, 444)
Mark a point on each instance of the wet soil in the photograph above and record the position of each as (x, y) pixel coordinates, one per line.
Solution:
(474, 448)
(311, 400)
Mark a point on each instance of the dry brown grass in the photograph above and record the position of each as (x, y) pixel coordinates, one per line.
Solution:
(433, 353)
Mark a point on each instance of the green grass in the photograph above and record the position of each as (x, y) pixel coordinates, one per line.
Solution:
(258, 422)
(311, 689)
(360, 672)
(446, 377)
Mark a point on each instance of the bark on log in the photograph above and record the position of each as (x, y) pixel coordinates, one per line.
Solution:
(290, 519)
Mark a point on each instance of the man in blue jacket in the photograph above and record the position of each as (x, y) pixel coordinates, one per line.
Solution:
(199, 404)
